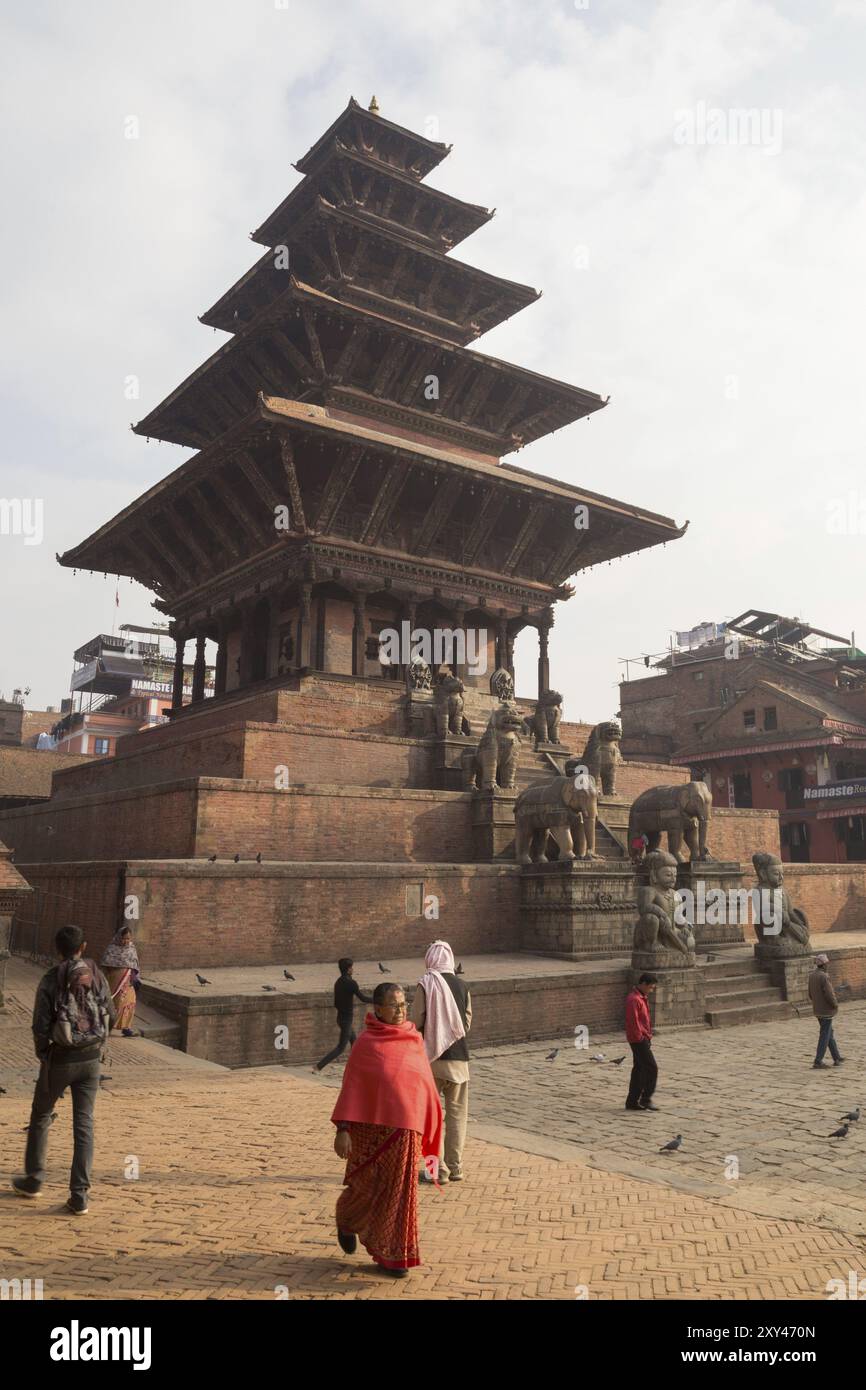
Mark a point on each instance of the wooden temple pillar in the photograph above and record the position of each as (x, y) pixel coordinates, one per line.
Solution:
(304, 627)
(502, 662)
(177, 682)
(544, 625)
(198, 670)
(222, 656)
(459, 667)
(359, 630)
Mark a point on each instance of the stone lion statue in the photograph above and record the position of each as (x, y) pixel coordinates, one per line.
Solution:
(601, 756)
(558, 808)
(548, 717)
(494, 762)
(449, 707)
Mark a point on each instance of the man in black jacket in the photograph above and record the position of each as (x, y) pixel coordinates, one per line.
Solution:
(74, 996)
(346, 990)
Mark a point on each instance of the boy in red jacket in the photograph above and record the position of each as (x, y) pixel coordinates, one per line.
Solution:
(638, 1030)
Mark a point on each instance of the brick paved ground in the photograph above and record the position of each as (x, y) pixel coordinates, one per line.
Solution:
(238, 1179)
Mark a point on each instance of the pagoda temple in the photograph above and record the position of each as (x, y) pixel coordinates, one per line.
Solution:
(349, 469)
(353, 473)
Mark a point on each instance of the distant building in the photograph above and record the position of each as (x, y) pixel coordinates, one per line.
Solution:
(120, 685)
(20, 727)
(25, 774)
(771, 720)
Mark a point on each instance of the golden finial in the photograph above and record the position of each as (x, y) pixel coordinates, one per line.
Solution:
(374, 106)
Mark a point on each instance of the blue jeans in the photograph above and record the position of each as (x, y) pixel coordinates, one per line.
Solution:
(826, 1039)
(82, 1078)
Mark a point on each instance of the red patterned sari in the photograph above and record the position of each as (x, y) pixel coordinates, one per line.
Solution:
(390, 1106)
(380, 1203)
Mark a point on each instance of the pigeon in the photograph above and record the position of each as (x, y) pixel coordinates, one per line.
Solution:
(385, 969)
(201, 979)
(287, 975)
(672, 1145)
(618, 1061)
(597, 1057)
(550, 1055)
(237, 859)
(259, 857)
(459, 970)
(211, 859)
(4, 1092)
(270, 987)
(852, 1115)
(839, 1133)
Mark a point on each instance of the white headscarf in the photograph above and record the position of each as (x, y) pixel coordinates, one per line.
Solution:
(443, 1025)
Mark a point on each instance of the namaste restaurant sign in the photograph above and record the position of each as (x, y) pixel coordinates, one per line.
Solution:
(836, 791)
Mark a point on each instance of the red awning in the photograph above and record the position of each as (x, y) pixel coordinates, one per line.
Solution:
(842, 812)
(708, 756)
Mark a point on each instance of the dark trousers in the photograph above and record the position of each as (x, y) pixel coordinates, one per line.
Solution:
(826, 1038)
(347, 1037)
(644, 1073)
(82, 1078)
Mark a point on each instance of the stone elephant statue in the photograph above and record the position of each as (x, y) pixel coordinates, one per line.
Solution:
(557, 808)
(683, 812)
(494, 762)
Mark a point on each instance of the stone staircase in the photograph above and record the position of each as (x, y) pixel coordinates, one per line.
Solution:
(738, 991)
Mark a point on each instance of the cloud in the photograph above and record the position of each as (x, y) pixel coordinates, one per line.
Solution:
(720, 300)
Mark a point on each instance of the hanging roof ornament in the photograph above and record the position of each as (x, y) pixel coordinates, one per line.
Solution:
(374, 106)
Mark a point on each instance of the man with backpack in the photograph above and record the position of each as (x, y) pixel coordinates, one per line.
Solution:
(72, 1017)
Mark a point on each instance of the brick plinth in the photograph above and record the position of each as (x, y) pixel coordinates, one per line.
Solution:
(586, 908)
(493, 824)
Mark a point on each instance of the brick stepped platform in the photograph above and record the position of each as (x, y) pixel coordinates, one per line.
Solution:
(738, 991)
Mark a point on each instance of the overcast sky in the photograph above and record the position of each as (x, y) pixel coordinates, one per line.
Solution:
(702, 269)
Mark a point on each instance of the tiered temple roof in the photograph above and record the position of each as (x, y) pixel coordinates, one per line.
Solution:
(347, 396)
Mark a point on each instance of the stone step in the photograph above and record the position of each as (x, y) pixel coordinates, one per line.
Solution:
(746, 965)
(759, 1013)
(727, 984)
(742, 998)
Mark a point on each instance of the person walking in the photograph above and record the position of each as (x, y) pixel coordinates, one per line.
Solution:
(346, 990)
(72, 1017)
(825, 1006)
(442, 1013)
(122, 970)
(639, 1032)
(387, 1116)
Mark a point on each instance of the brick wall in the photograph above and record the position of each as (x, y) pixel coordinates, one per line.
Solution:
(239, 1030)
(333, 823)
(200, 914)
(833, 896)
(87, 895)
(737, 835)
(154, 823)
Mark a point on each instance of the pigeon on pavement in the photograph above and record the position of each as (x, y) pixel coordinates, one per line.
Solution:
(287, 975)
(672, 1145)
(550, 1055)
(270, 987)
(211, 859)
(259, 857)
(852, 1115)
(201, 979)
(597, 1057)
(839, 1133)
(385, 969)
(237, 859)
(618, 1061)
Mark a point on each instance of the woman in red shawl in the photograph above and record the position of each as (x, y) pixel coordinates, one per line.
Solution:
(388, 1116)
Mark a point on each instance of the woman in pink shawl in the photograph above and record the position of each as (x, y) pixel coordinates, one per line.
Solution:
(442, 1013)
(120, 965)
